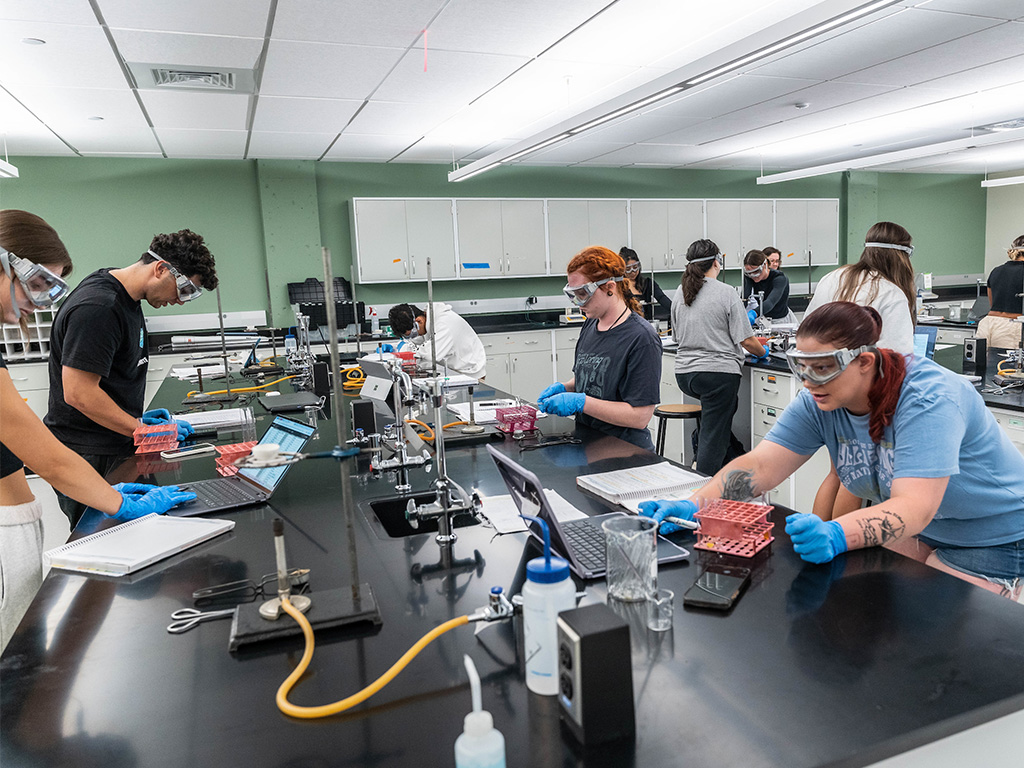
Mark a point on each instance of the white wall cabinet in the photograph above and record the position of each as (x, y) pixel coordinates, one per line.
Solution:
(575, 224)
(533, 237)
(36, 346)
(809, 229)
(394, 238)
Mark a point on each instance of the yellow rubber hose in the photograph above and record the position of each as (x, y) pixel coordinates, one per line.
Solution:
(324, 710)
(240, 389)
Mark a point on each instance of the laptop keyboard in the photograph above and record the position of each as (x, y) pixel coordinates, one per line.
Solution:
(217, 494)
(587, 542)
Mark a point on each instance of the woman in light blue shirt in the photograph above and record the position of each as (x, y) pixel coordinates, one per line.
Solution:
(915, 439)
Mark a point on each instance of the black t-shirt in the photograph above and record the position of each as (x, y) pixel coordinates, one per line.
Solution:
(776, 293)
(621, 364)
(1005, 282)
(9, 463)
(99, 329)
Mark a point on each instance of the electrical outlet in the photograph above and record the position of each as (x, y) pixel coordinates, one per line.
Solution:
(531, 300)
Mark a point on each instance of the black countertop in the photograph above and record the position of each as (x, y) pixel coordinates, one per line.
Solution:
(838, 665)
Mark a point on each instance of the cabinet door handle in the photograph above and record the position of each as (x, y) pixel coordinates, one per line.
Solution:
(768, 423)
(513, 361)
(19, 378)
(665, 255)
(531, 342)
(508, 265)
(413, 260)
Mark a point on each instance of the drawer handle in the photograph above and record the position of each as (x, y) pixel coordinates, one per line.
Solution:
(19, 378)
(770, 391)
(769, 423)
(531, 342)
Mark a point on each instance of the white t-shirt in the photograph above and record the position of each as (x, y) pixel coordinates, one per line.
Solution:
(889, 300)
(458, 346)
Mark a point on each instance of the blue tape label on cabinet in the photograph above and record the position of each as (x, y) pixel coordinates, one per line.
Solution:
(475, 265)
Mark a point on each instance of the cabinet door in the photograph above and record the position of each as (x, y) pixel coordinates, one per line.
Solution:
(498, 373)
(381, 240)
(564, 359)
(530, 373)
(568, 232)
(480, 247)
(757, 225)
(724, 230)
(648, 221)
(685, 224)
(431, 234)
(608, 224)
(522, 234)
(791, 232)
(823, 231)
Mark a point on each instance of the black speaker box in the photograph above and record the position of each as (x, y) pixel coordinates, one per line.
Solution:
(975, 357)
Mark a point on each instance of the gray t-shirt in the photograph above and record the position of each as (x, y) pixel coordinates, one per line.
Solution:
(710, 330)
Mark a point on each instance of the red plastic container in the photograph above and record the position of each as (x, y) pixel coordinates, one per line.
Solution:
(520, 419)
(734, 527)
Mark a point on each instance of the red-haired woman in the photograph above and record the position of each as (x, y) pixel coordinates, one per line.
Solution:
(897, 431)
(617, 370)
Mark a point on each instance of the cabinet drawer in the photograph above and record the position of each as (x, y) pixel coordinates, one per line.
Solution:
(527, 341)
(763, 419)
(567, 338)
(770, 389)
(28, 376)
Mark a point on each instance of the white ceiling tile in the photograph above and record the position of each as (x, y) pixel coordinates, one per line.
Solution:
(188, 50)
(185, 110)
(245, 18)
(387, 23)
(996, 9)
(974, 50)
(522, 28)
(894, 36)
(189, 143)
(390, 118)
(663, 154)
(304, 146)
(65, 109)
(57, 11)
(94, 137)
(730, 95)
(451, 77)
(284, 115)
(72, 56)
(642, 128)
(1010, 70)
(574, 151)
(355, 146)
(319, 70)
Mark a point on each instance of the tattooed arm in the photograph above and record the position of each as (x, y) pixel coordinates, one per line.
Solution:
(752, 474)
(912, 505)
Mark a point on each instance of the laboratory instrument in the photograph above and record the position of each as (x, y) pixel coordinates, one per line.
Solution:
(480, 745)
(187, 618)
(271, 609)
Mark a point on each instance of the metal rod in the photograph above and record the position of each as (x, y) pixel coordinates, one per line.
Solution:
(223, 345)
(332, 329)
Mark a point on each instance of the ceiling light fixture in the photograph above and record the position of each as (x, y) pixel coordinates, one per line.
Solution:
(1003, 125)
(33, 41)
(665, 93)
(885, 158)
(7, 171)
(1003, 182)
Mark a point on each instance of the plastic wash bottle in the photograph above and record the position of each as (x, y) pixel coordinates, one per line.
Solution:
(480, 745)
(547, 592)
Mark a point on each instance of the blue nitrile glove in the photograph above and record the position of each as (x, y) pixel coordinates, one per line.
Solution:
(752, 316)
(815, 540)
(156, 416)
(659, 510)
(184, 429)
(386, 347)
(564, 403)
(555, 389)
(138, 499)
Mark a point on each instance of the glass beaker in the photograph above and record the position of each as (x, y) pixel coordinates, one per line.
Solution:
(631, 549)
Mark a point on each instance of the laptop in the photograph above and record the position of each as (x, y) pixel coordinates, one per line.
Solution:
(580, 542)
(248, 486)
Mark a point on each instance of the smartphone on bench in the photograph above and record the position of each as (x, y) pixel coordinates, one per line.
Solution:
(718, 587)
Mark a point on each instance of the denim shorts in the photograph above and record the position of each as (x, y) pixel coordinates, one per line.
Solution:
(1000, 563)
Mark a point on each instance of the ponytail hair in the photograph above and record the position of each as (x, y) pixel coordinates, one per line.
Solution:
(845, 325)
(599, 263)
(699, 261)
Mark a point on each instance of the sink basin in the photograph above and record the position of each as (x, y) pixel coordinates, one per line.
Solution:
(390, 512)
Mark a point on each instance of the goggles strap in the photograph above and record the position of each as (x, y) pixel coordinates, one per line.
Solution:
(903, 248)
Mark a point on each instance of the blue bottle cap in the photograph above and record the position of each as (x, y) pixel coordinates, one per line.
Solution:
(542, 570)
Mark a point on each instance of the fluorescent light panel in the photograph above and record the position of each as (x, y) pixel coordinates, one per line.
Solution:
(8, 171)
(1004, 182)
(799, 37)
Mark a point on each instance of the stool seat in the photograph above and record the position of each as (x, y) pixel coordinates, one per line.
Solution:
(673, 411)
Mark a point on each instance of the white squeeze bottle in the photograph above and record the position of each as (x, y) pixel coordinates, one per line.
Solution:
(480, 745)
(547, 592)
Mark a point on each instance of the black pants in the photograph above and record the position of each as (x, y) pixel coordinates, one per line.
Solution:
(717, 392)
(74, 510)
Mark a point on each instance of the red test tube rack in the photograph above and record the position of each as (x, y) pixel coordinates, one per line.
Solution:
(154, 438)
(734, 527)
(520, 419)
(228, 454)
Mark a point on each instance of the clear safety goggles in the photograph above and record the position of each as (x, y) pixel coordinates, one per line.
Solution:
(187, 290)
(822, 367)
(581, 294)
(754, 271)
(632, 269)
(907, 249)
(42, 287)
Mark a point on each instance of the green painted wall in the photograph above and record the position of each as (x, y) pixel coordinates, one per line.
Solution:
(266, 220)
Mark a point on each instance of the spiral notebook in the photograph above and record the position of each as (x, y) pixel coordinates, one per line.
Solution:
(131, 546)
(630, 487)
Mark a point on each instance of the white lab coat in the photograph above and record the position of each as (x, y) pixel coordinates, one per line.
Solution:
(458, 346)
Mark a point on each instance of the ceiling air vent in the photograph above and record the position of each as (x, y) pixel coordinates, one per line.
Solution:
(178, 77)
(191, 78)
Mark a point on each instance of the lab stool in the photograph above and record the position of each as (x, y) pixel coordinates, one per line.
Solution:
(673, 411)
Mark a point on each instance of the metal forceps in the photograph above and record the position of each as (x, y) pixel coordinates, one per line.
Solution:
(247, 589)
(186, 618)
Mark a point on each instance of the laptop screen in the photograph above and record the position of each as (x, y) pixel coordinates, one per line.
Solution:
(291, 436)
